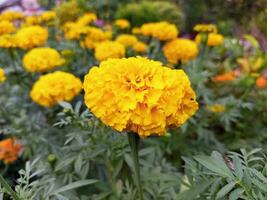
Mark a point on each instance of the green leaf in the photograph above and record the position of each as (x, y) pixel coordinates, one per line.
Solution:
(74, 185)
(214, 165)
(235, 194)
(258, 174)
(225, 190)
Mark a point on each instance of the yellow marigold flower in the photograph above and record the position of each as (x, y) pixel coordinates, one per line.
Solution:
(94, 36)
(87, 19)
(214, 39)
(136, 31)
(109, 49)
(42, 59)
(160, 30)
(140, 47)
(2, 75)
(180, 50)
(48, 16)
(139, 95)
(32, 36)
(52, 88)
(122, 23)
(205, 28)
(8, 41)
(9, 150)
(7, 27)
(73, 31)
(31, 20)
(11, 16)
(127, 40)
(216, 108)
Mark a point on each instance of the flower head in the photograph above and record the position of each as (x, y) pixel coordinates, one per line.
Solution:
(214, 39)
(109, 49)
(7, 27)
(32, 36)
(210, 28)
(122, 23)
(87, 19)
(42, 59)
(216, 108)
(8, 41)
(140, 95)
(9, 150)
(180, 50)
(160, 30)
(73, 30)
(140, 47)
(2, 75)
(11, 16)
(95, 36)
(261, 82)
(226, 77)
(127, 40)
(52, 88)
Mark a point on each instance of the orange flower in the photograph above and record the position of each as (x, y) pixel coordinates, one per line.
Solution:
(226, 77)
(261, 82)
(9, 150)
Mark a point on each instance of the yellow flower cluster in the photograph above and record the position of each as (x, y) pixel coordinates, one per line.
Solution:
(32, 36)
(11, 16)
(127, 40)
(109, 49)
(139, 95)
(95, 36)
(86, 19)
(210, 28)
(160, 30)
(2, 75)
(122, 23)
(73, 30)
(42, 59)
(140, 47)
(180, 50)
(52, 88)
(6, 27)
(214, 39)
(47, 16)
(216, 108)
(8, 41)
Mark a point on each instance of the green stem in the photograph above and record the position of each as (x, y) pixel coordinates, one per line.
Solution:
(134, 139)
(8, 188)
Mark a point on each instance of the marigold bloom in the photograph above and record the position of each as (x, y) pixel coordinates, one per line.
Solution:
(109, 49)
(9, 150)
(136, 31)
(180, 50)
(122, 23)
(7, 27)
(226, 77)
(87, 19)
(32, 20)
(48, 16)
(160, 30)
(214, 39)
(216, 108)
(8, 41)
(73, 31)
(2, 75)
(127, 40)
(139, 95)
(11, 16)
(261, 82)
(42, 59)
(95, 36)
(32, 36)
(205, 28)
(140, 47)
(52, 88)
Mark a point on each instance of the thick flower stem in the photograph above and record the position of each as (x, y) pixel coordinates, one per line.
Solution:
(11, 192)
(134, 139)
